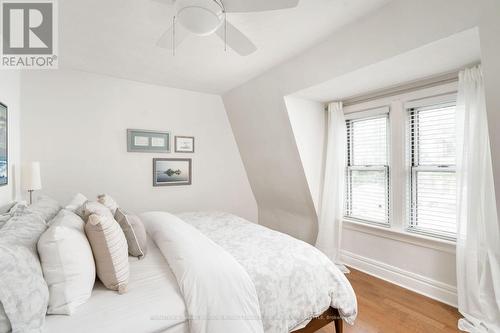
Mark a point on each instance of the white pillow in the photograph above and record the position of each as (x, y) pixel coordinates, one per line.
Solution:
(77, 202)
(67, 263)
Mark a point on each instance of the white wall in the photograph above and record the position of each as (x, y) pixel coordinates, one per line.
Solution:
(75, 124)
(308, 120)
(265, 138)
(425, 266)
(10, 96)
(489, 28)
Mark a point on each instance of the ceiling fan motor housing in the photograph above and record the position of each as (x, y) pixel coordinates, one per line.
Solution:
(201, 17)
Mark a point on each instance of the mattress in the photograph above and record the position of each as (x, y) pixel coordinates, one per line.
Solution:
(153, 303)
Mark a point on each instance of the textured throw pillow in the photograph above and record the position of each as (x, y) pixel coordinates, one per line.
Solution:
(108, 201)
(76, 204)
(93, 207)
(3, 220)
(46, 207)
(16, 209)
(110, 250)
(5, 214)
(67, 263)
(134, 231)
(20, 208)
(23, 292)
(7, 207)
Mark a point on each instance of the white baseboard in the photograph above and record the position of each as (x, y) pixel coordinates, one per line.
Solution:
(437, 290)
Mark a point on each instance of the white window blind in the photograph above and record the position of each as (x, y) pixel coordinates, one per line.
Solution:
(367, 171)
(432, 179)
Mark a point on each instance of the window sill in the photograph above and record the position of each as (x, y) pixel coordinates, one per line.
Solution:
(402, 236)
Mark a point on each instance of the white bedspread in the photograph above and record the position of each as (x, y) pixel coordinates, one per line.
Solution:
(219, 295)
(294, 280)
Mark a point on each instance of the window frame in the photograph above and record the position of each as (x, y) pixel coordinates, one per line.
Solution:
(397, 102)
(414, 166)
(367, 114)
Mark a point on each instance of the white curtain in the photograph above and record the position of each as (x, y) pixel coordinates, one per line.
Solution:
(478, 238)
(332, 200)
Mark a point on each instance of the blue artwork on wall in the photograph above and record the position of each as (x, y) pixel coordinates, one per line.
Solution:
(4, 162)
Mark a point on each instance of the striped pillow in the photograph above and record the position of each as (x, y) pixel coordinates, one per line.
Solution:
(94, 207)
(110, 250)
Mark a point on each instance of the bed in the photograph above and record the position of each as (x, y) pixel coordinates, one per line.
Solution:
(217, 263)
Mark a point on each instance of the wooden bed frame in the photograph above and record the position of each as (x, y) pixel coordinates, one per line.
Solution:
(326, 318)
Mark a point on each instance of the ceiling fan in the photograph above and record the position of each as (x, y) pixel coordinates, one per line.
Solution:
(207, 17)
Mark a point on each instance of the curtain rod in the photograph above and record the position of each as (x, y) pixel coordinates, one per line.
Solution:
(430, 82)
(402, 89)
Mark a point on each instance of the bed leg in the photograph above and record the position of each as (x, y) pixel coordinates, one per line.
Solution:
(338, 322)
(339, 325)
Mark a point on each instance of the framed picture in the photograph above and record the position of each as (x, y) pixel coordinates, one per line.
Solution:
(171, 171)
(4, 146)
(184, 144)
(148, 141)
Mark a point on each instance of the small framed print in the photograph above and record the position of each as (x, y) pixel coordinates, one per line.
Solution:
(184, 144)
(171, 171)
(146, 141)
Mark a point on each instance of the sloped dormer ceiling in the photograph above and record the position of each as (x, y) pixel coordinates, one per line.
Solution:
(258, 114)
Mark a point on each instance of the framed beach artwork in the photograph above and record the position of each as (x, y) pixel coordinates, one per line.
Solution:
(4, 160)
(171, 171)
(184, 144)
(146, 141)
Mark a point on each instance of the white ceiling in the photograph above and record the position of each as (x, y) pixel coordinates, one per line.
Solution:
(118, 37)
(440, 57)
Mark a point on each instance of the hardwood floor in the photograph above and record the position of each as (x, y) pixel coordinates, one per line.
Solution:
(387, 308)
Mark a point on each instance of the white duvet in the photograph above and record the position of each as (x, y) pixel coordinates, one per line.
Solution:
(218, 293)
(245, 277)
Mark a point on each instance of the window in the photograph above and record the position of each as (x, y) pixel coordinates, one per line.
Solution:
(401, 162)
(367, 171)
(432, 179)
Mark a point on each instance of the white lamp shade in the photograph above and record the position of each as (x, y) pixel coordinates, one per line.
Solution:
(31, 176)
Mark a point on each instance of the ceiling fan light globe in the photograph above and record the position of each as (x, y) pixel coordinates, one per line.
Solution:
(201, 17)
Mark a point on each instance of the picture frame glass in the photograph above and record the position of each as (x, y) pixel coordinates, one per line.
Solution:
(171, 172)
(147, 141)
(4, 160)
(184, 144)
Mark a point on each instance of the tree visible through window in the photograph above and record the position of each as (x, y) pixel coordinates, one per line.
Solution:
(431, 153)
(367, 171)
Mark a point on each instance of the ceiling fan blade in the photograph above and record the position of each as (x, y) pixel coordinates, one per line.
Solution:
(243, 6)
(236, 40)
(166, 40)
